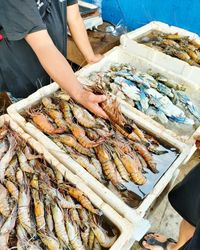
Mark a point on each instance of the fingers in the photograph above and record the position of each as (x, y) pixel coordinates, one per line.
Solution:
(98, 111)
(97, 98)
(93, 104)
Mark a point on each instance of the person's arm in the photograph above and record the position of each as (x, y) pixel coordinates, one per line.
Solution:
(79, 34)
(60, 71)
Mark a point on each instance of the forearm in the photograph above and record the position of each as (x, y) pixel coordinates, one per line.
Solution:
(60, 71)
(56, 65)
(80, 36)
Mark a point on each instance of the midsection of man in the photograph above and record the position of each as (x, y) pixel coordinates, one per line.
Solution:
(20, 71)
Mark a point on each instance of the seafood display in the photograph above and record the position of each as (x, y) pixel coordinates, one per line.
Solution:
(175, 45)
(161, 98)
(40, 208)
(116, 152)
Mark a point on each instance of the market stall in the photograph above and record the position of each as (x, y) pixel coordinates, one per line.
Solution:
(72, 180)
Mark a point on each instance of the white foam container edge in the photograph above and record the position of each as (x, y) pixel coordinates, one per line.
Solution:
(128, 42)
(118, 54)
(128, 232)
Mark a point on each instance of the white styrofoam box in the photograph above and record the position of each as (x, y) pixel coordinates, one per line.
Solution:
(171, 173)
(128, 231)
(108, 196)
(170, 63)
(119, 55)
(140, 226)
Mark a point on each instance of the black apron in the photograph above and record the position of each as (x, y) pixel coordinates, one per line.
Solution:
(20, 71)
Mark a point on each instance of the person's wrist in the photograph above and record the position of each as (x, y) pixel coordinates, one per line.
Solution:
(80, 94)
(90, 58)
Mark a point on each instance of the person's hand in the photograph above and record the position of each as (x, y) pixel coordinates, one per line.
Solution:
(197, 138)
(95, 58)
(91, 102)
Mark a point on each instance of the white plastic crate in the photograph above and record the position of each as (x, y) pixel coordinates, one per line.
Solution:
(109, 197)
(119, 55)
(128, 232)
(170, 63)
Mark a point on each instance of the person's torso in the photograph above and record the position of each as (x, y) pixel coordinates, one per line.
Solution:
(20, 71)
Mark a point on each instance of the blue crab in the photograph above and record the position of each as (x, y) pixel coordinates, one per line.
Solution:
(172, 112)
(144, 100)
(188, 103)
(164, 89)
(128, 88)
(181, 119)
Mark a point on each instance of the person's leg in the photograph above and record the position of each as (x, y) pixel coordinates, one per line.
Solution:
(186, 232)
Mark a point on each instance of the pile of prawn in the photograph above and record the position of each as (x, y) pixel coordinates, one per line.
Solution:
(39, 208)
(175, 45)
(113, 151)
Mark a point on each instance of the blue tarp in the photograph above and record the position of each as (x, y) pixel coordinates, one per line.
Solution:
(136, 13)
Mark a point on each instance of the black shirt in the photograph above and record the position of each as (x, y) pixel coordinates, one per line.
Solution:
(20, 71)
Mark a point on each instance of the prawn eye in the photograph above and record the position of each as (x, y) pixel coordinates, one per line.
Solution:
(128, 128)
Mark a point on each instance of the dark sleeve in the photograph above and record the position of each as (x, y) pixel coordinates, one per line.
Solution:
(71, 2)
(19, 18)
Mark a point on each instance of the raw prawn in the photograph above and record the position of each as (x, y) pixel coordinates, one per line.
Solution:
(84, 162)
(80, 197)
(39, 211)
(133, 167)
(102, 237)
(120, 167)
(91, 239)
(25, 167)
(49, 217)
(71, 142)
(74, 212)
(132, 136)
(42, 122)
(83, 116)
(47, 102)
(58, 218)
(11, 169)
(108, 167)
(58, 118)
(49, 241)
(80, 135)
(73, 233)
(24, 209)
(9, 224)
(4, 162)
(4, 205)
(65, 108)
(12, 189)
(142, 150)
(55, 194)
